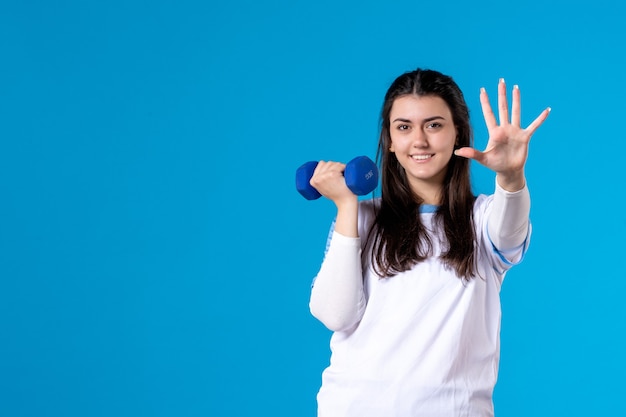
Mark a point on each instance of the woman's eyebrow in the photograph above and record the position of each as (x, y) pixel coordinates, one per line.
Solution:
(401, 120)
(428, 119)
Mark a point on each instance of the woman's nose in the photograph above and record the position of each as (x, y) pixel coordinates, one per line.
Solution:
(420, 140)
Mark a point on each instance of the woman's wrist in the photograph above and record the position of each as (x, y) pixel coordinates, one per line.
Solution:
(511, 182)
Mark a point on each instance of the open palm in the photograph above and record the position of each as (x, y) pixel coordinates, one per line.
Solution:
(507, 147)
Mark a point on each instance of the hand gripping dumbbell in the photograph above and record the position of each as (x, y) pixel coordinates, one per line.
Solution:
(361, 176)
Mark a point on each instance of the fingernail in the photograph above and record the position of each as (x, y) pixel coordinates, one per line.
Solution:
(482, 89)
(516, 87)
(549, 108)
(501, 80)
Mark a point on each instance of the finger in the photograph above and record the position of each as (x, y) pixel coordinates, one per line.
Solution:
(503, 106)
(320, 167)
(538, 121)
(516, 107)
(469, 153)
(490, 118)
(323, 166)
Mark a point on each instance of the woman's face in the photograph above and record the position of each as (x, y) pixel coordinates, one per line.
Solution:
(423, 136)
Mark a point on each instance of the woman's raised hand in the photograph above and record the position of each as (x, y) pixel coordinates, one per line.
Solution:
(507, 147)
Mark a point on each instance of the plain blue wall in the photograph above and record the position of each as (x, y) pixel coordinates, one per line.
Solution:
(155, 258)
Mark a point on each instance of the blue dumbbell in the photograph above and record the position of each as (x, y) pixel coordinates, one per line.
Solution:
(361, 176)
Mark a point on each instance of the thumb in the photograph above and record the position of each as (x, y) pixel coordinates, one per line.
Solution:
(470, 153)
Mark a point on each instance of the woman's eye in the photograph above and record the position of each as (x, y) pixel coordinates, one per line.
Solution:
(403, 127)
(433, 125)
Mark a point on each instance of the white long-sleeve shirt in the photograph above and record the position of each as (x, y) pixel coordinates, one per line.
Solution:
(424, 342)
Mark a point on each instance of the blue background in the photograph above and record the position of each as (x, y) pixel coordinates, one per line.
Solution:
(155, 258)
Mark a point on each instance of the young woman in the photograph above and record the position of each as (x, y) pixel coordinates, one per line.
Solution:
(410, 281)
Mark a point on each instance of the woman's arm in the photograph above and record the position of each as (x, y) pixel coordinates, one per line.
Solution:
(337, 297)
(508, 221)
(506, 154)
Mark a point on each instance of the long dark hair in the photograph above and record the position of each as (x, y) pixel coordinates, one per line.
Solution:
(398, 237)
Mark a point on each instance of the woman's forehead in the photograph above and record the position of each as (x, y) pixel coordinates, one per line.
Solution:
(419, 107)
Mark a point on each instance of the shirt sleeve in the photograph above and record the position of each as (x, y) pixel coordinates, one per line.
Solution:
(508, 224)
(337, 295)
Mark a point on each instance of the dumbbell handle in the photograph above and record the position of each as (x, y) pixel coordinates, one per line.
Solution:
(361, 176)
